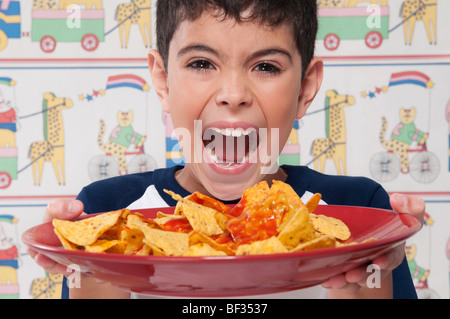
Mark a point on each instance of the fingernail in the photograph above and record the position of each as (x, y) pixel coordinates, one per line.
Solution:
(74, 207)
(400, 200)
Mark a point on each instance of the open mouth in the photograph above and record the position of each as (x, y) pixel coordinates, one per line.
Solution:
(230, 146)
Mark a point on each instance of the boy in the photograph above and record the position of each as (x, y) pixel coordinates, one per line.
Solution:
(234, 75)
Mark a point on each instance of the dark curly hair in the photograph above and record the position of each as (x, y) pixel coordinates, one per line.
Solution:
(300, 14)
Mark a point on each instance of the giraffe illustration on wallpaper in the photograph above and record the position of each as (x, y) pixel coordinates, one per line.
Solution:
(333, 146)
(135, 12)
(419, 10)
(48, 287)
(51, 149)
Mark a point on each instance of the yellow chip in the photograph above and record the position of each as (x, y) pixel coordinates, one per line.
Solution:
(256, 193)
(176, 197)
(291, 195)
(115, 231)
(170, 243)
(298, 229)
(368, 240)
(201, 218)
(133, 238)
(101, 245)
(321, 242)
(152, 249)
(164, 219)
(202, 249)
(65, 243)
(313, 202)
(144, 250)
(268, 246)
(200, 238)
(330, 226)
(86, 231)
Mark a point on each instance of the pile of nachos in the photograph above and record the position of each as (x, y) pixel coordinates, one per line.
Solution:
(267, 220)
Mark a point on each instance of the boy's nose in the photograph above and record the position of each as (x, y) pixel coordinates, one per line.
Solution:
(234, 91)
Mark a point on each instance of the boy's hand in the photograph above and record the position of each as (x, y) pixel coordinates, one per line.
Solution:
(350, 283)
(61, 209)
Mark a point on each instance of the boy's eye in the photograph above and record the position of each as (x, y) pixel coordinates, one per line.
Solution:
(201, 65)
(266, 67)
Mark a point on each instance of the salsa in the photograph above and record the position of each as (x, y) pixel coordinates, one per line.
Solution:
(179, 225)
(259, 221)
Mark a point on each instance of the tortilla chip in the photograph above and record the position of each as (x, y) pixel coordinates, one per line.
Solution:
(152, 249)
(101, 245)
(170, 243)
(321, 242)
(313, 202)
(222, 219)
(202, 249)
(201, 218)
(368, 240)
(65, 243)
(200, 238)
(298, 229)
(291, 195)
(268, 246)
(164, 219)
(255, 194)
(133, 238)
(162, 215)
(176, 197)
(330, 226)
(144, 250)
(292, 199)
(86, 231)
(208, 201)
(114, 232)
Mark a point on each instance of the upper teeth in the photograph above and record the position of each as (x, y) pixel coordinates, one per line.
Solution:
(235, 132)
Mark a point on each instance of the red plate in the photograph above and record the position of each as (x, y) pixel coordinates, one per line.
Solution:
(236, 275)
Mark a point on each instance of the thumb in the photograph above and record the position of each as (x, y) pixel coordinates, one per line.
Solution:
(405, 204)
(66, 209)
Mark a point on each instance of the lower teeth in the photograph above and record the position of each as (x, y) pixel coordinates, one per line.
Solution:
(215, 159)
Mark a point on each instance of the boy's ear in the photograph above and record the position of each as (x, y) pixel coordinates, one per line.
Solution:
(159, 77)
(310, 86)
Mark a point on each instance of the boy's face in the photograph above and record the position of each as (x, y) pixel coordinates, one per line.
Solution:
(233, 91)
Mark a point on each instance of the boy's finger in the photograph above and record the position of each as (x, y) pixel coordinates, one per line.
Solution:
(391, 259)
(67, 209)
(412, 205)
(335, 282)
(356, 275)
(50, 265)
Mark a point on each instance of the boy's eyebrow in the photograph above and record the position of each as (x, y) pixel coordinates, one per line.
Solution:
(205, 48)
(197, 47)
(270, 51)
